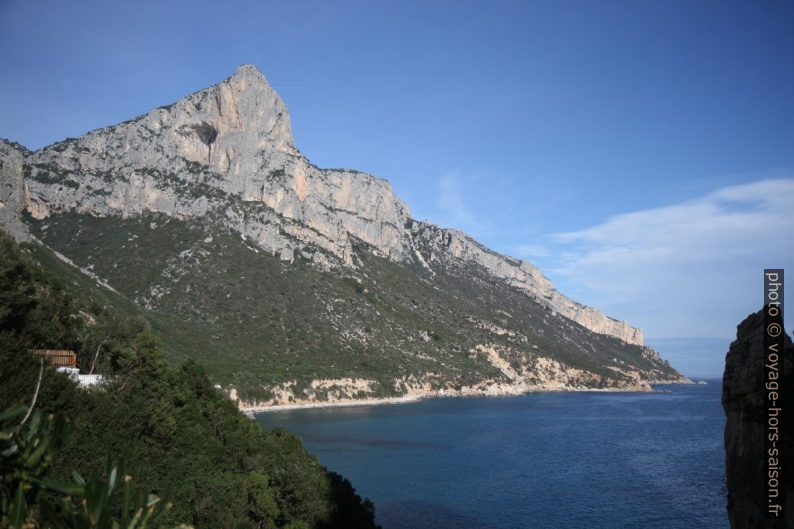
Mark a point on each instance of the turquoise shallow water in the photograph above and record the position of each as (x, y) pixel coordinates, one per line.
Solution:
(573, 460)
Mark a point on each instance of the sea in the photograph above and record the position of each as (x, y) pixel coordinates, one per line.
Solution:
(545, 460)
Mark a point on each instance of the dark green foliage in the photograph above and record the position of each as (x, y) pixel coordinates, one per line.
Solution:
(180, 437)
(36, 309)
(107, 502)
(253, 320)
(26, 453)
(30, 497)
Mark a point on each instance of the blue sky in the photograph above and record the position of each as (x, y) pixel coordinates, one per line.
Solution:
(641, 153)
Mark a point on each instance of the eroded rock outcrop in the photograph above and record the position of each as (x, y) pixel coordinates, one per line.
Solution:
(226, 153)
(12, 189)
(437, 244)
(744, 400)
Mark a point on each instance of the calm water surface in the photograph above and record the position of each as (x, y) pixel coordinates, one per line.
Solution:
(575, 460)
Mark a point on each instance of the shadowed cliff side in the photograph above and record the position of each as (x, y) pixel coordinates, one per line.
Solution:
(744, 400)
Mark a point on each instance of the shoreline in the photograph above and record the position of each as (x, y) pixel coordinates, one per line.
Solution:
(335, 404)
(404, 399)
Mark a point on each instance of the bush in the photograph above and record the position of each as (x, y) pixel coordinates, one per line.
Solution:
(180, 437)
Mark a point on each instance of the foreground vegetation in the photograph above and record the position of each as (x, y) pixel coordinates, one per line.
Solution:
(179, 436)
(30, 497)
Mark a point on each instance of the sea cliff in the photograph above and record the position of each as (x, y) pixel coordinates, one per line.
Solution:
(745, 403)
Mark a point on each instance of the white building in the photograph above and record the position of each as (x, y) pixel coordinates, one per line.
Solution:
(82, 380)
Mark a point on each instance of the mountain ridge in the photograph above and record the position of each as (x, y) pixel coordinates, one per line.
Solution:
(522, 272)
(224, 156)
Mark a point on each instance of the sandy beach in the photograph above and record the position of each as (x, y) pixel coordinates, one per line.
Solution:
(510, 391)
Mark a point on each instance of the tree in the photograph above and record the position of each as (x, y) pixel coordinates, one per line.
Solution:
(28, 494)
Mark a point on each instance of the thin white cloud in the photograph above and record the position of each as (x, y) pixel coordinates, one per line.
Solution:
(690, 269)
(452, 204)
(531, 250)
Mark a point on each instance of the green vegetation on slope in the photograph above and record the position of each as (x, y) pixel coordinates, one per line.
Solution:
(30, 497)
(253, 320)
(180, 437)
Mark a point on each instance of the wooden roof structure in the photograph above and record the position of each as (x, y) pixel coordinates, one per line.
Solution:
(58, 357)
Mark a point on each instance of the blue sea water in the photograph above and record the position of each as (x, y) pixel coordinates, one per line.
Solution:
(552, 460)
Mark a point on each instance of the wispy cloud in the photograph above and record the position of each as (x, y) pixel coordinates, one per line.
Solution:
(452, 203)
(530, 251)
(689, 269)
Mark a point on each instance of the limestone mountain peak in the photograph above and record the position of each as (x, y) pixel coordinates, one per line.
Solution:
(249, 70)
(225, 155)
(240, 116)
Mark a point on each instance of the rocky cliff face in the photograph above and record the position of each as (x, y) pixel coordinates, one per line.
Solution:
(226, 153)
(13, 199)
(745, 403)
(437, 245)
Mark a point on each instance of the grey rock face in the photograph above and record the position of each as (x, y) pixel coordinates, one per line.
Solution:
(745, 405)
(441, 243)
(12, 189)
(226, 153)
